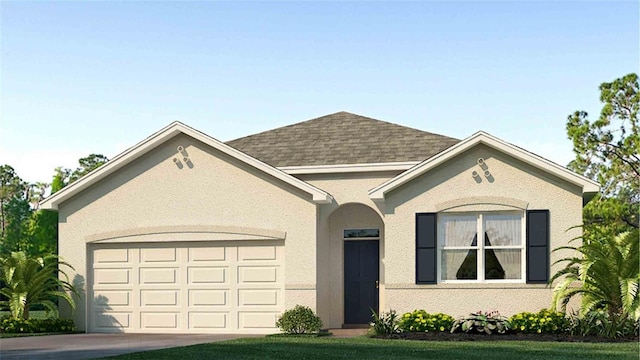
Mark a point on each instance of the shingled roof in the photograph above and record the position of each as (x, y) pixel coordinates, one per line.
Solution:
(341, 138)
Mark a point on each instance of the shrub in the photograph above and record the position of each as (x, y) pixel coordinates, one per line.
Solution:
(384, 323)
(29, 281)
(422, 321)
(599, 323)
(26, 326)
(543, 322)
(608, 270)
(482, 322)
(299, 320)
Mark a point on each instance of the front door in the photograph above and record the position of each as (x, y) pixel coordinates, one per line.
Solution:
(361, 268)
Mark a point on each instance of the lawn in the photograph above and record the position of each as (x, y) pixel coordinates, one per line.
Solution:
(365, 348)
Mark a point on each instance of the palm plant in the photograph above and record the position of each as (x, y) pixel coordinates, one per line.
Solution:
(32, 281)
(607, 272)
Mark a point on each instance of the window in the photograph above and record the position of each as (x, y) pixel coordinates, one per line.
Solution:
(361, 233)
(445, 241)
(496, 255)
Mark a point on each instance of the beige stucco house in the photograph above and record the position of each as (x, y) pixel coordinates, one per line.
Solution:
(183, 233)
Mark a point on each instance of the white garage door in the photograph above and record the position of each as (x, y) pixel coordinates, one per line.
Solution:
(213, 287)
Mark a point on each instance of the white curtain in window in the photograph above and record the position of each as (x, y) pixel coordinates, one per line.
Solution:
(510, 261)
(506, 230)
(452, 261)
(455, 230)
(503, 230)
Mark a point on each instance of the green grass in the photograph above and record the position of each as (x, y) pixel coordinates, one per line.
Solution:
(365, 348)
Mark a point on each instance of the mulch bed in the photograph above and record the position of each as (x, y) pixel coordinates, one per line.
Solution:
(447, 336)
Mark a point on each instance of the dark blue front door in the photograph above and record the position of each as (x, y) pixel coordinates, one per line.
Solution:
(360, 280)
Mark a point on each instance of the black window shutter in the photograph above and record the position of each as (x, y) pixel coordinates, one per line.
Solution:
(538, 246)
(426, 248)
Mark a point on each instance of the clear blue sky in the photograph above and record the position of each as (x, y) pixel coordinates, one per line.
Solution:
(97, 77)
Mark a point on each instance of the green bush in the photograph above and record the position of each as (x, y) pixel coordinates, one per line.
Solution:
(543, 322)
(28, 326)
(299, 320)
(482, 322)
(29, 281)
(384, 323)
(599, 323)
(422, 321)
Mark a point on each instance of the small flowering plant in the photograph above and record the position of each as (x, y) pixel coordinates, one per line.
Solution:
(543, 322)
(422, 321)
(482, 322)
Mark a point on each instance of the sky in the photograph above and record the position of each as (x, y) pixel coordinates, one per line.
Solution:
(97, 77)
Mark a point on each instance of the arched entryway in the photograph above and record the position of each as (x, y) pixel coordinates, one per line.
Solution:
(356, 235)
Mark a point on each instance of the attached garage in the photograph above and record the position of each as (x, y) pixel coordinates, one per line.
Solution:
(184, 234)
(182, 287)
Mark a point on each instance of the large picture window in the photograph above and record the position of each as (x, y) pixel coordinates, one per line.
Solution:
(481, 247)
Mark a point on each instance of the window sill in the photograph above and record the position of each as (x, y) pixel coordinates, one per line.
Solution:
(447, 286)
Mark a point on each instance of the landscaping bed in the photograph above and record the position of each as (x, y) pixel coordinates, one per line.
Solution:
(447, 336)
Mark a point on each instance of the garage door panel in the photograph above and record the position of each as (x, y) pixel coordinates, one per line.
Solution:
(251, 253)
(159, 320)
(214, 287)
(158, 276)
(253, 297)
(158, 255)
(107, 256)
(208, 320)
(111, 276)
(112, 320)
(159, 297)
(257, 274)
(208, 297)
(208, 275)
(256, 320)
(207, 254)
(108, 298)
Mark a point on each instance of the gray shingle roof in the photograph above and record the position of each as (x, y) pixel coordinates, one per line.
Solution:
(341, 138)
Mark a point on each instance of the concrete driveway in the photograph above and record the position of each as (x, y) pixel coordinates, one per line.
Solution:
(87, 346)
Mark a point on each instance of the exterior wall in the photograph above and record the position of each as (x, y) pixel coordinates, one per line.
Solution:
(352, 209)
(513, 185)
(211, 190)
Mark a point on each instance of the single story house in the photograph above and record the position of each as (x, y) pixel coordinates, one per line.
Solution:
(182, 233)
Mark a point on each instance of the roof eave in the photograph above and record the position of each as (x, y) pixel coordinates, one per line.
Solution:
(52, 202)
(589, 187)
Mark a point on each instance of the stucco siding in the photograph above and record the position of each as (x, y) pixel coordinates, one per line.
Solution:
(211, 189)
(512, 185)
(352, 209)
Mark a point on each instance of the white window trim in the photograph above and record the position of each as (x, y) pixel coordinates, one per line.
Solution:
(480, 248)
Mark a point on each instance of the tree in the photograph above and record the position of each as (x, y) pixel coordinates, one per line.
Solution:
(11, 187)
(87, 164)
(43, 232)
(37, 193)
(16, 236)
(607, 151)
(60, 179)
(64, 176)
(14, 210)
(43, 225)
(23, 226)
(29, 281)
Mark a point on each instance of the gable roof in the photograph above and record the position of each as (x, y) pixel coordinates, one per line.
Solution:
(168, 132)
(589, 187)
(342, 138)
